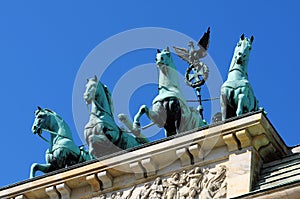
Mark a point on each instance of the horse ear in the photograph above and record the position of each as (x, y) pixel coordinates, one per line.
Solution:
(251, 39)
(39, 108)
(158, 51)
(87, 80)
(243, 36)
(168, 49)
(96, 78)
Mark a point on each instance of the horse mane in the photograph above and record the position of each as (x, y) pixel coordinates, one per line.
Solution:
(108, 97)
(53, 113)
(166, 51)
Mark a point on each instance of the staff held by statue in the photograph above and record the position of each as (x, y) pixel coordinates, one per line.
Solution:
(197, 72)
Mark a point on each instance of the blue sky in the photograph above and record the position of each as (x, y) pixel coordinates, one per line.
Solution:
(44, 44)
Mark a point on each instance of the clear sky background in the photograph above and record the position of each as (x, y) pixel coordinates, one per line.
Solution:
(43, 44)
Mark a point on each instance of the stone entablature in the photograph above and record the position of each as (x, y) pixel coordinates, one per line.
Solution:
(237, 147)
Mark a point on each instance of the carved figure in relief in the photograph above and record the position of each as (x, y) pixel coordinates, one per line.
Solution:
(183, 178)
(120, 194)
(214, 185)
(157, 189)
(173, 184)
(192, 188)
(195, 177)
(144, 192)
(195, 184)
(165, 187)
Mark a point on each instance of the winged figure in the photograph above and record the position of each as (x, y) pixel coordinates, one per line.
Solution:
(192, 55)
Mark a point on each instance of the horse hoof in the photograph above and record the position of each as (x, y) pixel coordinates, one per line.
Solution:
(122, 117)
(33, 170)
(143, 109)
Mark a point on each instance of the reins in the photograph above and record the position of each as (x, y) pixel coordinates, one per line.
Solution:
(51, 132)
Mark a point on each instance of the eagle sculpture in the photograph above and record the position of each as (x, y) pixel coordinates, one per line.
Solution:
(192, 55)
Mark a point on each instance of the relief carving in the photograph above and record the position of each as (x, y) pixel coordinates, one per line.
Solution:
(119, 194)
(157, 189)
(198, 183)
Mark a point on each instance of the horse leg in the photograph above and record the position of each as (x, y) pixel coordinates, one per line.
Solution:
(227, 96)
(45, 168)
(154, 115)
(173, 116)
(65, 157)
(224, 106)
(224, 103)
(254, 102)
(88, 139)
(125, 120)
(158, 114)
(241, 105)
(136, 126)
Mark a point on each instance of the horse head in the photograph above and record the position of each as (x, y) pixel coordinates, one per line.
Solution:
(168, 76)
(41, 121)
(98, 94)
(90, 91)
(163, 58)
(242, 50)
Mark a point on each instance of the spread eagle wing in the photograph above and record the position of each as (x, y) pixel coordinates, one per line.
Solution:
(204, 41)
(182, 53)
(203, 44)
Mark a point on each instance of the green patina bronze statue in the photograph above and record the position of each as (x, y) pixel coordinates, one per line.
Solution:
(237, 96)
(102, 134)
(62, 151)
(170, 109)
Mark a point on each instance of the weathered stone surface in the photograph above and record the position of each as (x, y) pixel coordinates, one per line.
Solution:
(64, 190)
(52, 192)
(94, 182)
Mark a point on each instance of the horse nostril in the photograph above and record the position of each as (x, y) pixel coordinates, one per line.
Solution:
(161, 58)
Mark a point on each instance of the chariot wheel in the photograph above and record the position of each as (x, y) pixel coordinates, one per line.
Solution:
(196, 74)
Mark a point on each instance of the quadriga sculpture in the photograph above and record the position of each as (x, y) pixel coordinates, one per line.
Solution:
(102, 134)
(62, 151)
(170, 109)
(237, 96)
